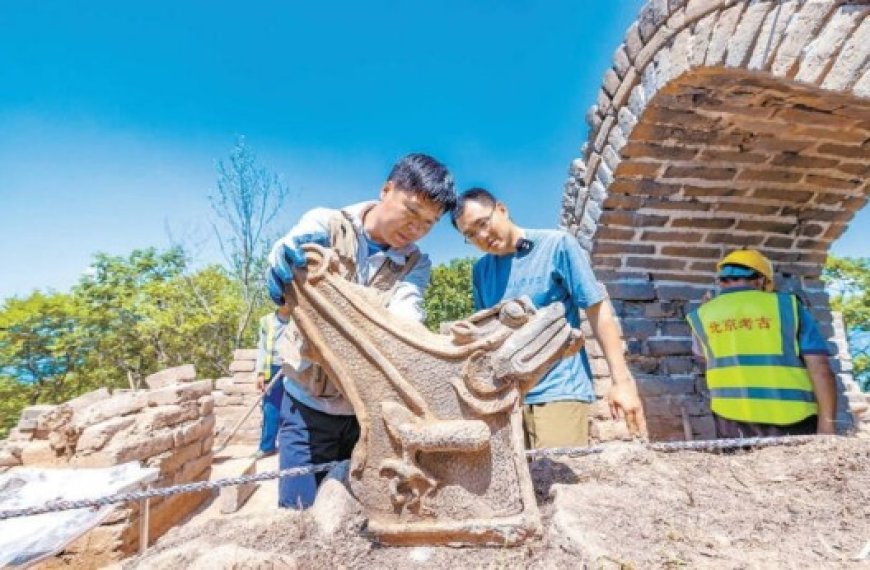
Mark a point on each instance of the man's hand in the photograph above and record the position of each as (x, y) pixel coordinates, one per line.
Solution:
(261, 382)
(289, 256)
(624, 402)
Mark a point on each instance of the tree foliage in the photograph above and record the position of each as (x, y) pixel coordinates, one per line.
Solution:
(127, 318)
(848, 281)
(448, 297)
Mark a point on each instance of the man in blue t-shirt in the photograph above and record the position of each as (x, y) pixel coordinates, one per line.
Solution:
(549, 266)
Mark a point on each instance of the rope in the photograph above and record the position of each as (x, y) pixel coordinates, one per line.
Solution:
(532, 454)
(55, 506)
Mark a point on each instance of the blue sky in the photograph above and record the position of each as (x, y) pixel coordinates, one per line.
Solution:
(112, 114)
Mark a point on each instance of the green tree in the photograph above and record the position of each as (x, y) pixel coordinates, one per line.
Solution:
(38, 346)
(40, 354)
(193, 319)
(248, 199)
(113, 301)
(448, 297)
(127, 318)
(848, 281)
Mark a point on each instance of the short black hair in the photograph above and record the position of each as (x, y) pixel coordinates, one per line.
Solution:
(424, 175)
(481, 195)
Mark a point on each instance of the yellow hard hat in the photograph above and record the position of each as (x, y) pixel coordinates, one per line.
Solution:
(753, 260)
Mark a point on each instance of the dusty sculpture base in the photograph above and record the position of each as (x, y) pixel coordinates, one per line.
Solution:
(806, 506)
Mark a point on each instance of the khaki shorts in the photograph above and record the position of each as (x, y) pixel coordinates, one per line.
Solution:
(556, 424)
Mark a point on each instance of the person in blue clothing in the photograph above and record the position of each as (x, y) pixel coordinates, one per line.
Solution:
(376, 241)
(268, 370)
(549, 266)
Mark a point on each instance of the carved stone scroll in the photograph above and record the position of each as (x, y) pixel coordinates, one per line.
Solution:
(440, 457)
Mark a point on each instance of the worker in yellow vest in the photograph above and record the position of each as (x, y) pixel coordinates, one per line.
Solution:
(767, 364)
(268, 369)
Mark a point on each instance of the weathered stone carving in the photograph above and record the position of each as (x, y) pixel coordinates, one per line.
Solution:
(440, 457)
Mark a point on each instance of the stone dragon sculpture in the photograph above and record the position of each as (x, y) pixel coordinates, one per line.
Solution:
(440, 457)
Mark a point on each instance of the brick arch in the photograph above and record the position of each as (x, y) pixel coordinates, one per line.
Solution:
(721, 124)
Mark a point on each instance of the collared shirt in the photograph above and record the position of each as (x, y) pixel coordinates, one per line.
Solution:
(406, 300)
(555, 269)
(810, 340)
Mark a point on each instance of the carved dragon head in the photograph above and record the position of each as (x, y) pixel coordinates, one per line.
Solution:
(524, 342)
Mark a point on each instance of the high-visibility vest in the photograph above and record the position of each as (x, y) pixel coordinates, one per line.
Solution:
(267, 324)
(754, 370)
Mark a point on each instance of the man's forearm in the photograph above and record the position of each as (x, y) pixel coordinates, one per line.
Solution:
(606, 331)
(824, 386)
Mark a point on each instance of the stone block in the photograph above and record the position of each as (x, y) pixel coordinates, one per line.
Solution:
(669, 346)
(206, 405)
(170, 376)
(232, 498)
(679, 365)
(32, 413)
(722, 34)
(164, 416)
(170, 462)
(240, 388)
(242, 366)
(851, 59)
(95, 436)
(680, 292)
(170, 511)
(177, 393)
(638, 328)
(39, 454)
(244, 378)
(223, 400)
(245, 354)
(674, 327)
(133, 449)
(659, 309)
(744, 38)
(631, 291)
(801, 26)
(633, 41)
(655, 386)
(334, 505)
(120, 404)
(646, 262)
(195, 470)
(17, 435)
(104, 543)
(10, 456)
(195, 431)
(773, 28)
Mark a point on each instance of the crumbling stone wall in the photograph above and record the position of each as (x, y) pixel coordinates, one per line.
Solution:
(233, 397)
(720, 124)
(169, 427)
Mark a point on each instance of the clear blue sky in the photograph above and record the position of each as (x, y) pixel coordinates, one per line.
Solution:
(112, 114)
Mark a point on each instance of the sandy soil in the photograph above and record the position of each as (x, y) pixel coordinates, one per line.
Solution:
(804, 506)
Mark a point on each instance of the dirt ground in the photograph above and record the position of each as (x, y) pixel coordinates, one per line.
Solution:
(802, 506)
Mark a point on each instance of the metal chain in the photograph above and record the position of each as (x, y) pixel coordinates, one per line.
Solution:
(532, 454)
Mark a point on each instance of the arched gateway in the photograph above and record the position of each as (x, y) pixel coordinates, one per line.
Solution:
(721, 124)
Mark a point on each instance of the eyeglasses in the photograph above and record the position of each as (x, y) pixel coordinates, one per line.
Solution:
(478, 226)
